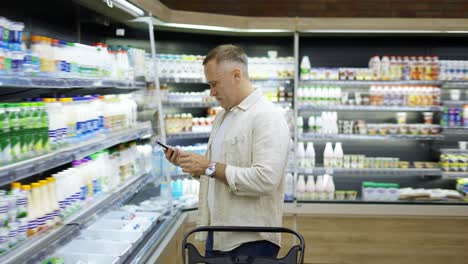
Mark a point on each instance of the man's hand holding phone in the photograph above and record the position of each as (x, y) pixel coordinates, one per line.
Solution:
(172, 154)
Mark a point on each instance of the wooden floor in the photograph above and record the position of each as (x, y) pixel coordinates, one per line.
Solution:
(365, 240)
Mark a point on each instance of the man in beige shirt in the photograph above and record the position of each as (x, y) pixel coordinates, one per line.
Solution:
(242, 173)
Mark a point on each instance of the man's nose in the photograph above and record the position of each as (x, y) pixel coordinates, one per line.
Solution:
(212, 92)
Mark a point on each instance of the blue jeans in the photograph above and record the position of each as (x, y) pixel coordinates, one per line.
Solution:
(261, 248)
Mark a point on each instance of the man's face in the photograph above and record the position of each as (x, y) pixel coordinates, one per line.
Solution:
(222, 84)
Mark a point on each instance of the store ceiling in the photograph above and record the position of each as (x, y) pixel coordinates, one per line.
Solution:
(327, 8)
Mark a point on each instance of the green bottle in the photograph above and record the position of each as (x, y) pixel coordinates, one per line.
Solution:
(15, 146)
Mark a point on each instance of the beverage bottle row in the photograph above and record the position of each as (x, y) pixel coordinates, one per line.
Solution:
(183, 188)
(454, 116)
(322, 189)
(332, 158)
(403, 95)
(190, 97)
(56, 58)
(180, 66)
(185, 122)
(404, 68)
(30, 208)
(77, 118)
(453, 70)
(420, 68)
(317, 95)
(24, 131)
(184, 66)
(271, 68)
(326, 123)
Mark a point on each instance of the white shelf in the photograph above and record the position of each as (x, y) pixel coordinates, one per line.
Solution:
(455, 103)
(198, 80)
(455, 84)
(367, 83)
(311, 107)
(190, 104)
(454, 151)
(189, 135)
(33, 247)
(454, 175)
(371, 172)
(459, 130)
(66, 83)
(316, 136)
(25, 168)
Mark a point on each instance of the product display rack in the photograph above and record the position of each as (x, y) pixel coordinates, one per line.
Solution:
(368, 83)
(454, 175)
(304, 107)
(188, 135)
(453, 151)
(317, 136)
(454, 103)
(401, 202)
(447, 84)
(25, 168)
(66, 83)
(190, 104)
(43, 243)
(455, 130)
(410, 147)
(254, 81)
(397, 172)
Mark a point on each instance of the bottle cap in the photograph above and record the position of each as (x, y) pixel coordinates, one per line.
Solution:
(15, 185)
(26, 187)
(50, 179)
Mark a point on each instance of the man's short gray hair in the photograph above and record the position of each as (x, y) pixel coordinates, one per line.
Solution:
(227, 53)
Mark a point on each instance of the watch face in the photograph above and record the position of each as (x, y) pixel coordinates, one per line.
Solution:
(210, 170)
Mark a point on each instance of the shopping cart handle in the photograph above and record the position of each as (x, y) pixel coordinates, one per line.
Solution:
(246, 229)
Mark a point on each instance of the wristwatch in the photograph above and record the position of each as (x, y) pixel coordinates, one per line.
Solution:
(211, 170)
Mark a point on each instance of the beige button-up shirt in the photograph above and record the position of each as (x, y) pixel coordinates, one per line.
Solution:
(255, 150)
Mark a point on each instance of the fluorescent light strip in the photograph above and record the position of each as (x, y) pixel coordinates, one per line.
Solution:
(130, 8)
(378, 31)
(216, 28)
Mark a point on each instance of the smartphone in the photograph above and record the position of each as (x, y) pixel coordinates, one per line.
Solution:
(162, 145)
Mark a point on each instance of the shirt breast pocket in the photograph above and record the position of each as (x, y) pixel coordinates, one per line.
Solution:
(237, 151)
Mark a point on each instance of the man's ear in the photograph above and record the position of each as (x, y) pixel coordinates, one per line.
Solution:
(236, 72)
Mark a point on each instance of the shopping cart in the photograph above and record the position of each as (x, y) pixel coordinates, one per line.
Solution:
(294, 256)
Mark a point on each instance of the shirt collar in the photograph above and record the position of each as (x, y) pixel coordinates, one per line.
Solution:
(248, 101)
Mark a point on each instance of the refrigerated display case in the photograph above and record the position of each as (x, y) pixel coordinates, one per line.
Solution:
(383, 161)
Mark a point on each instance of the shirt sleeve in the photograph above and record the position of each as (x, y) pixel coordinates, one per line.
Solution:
(270, 149)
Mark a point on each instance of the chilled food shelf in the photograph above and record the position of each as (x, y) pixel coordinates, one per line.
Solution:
(455, 103)
(310, 107)
(188, 135)
(198, 80)
(23, 169)
(368, 83)
(190, 104)
(371, 171)
(455, 130)
(454, 175)
(64, 83)
(38, 246)
(455, 84)
(156, 236)
(316, 136)
(453, 151)
(359, 201)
